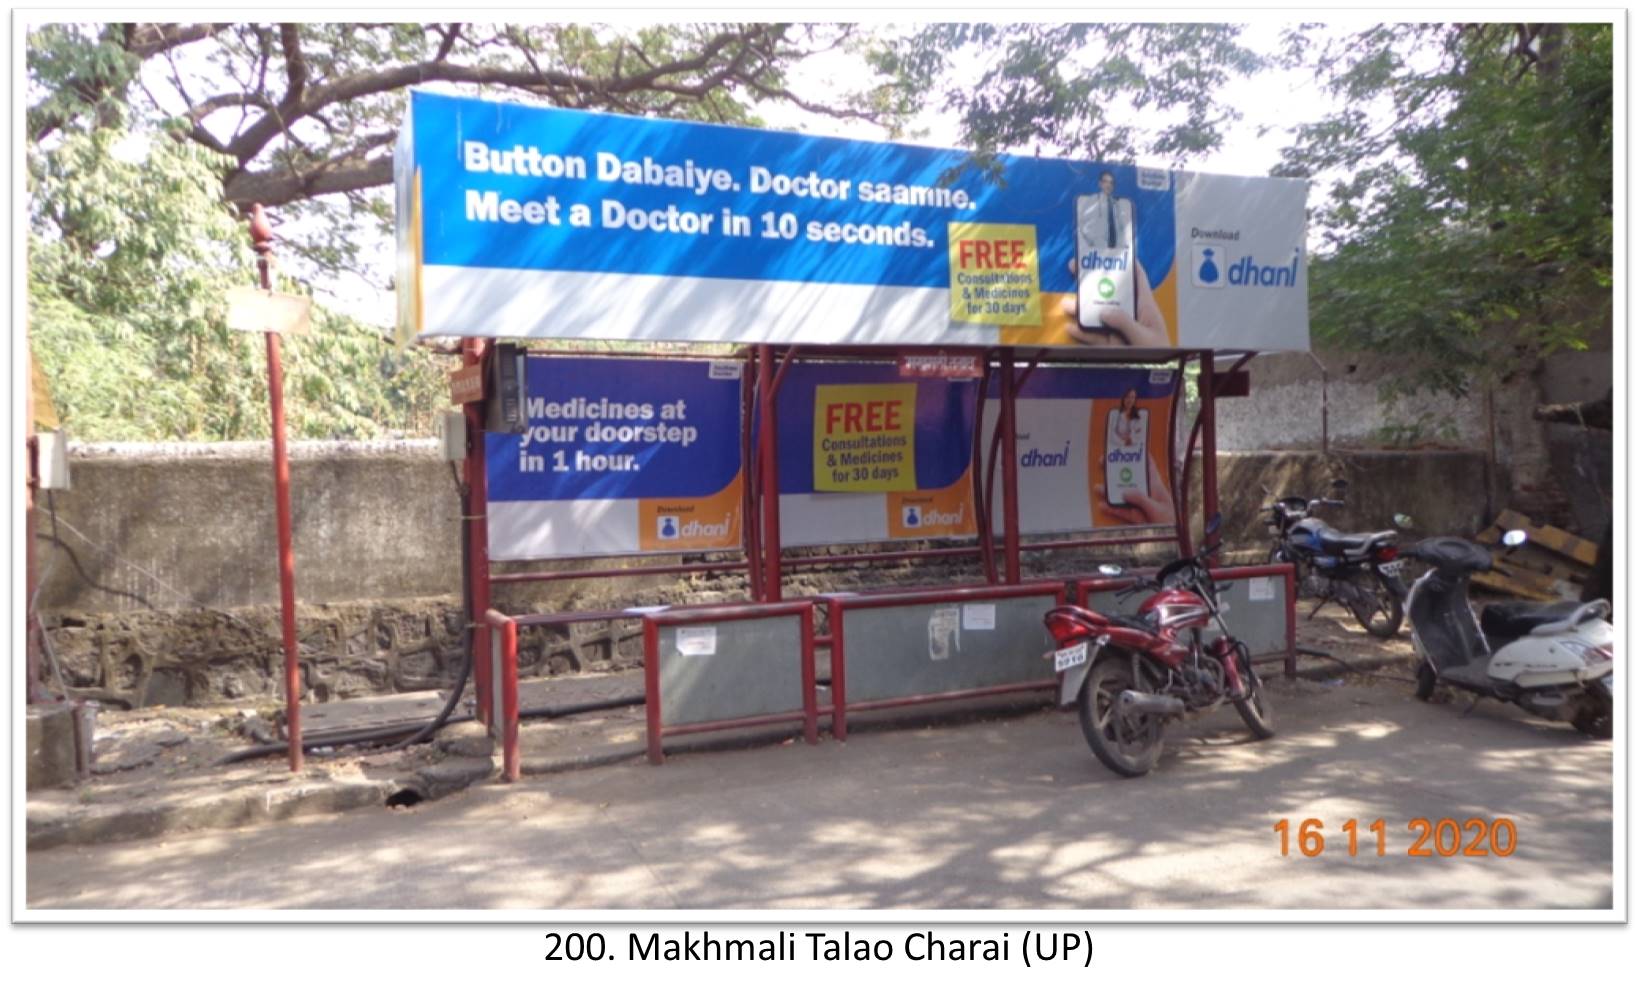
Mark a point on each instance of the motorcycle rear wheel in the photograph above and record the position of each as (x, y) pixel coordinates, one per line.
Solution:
(1375, 606)
(1254, 706)
(1127, 745)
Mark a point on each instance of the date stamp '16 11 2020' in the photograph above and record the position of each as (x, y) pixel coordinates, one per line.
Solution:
(1441, 838)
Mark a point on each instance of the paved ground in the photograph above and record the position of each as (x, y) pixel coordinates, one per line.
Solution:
(1005, 813)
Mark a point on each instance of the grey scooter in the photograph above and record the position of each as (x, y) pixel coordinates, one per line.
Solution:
(1555, 660)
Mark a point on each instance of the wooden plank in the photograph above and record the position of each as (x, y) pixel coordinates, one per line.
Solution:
(1513, 586)
(1561, 587)
(1551, 537)
(1539, 559)
(1542, 562)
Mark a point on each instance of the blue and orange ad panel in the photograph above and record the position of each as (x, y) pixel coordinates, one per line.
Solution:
(621, 456)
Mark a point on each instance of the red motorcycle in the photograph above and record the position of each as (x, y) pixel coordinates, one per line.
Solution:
(1132, 674)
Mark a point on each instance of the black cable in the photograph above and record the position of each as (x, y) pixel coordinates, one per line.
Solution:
(468, 629)
(348, 738)
(1311, 652)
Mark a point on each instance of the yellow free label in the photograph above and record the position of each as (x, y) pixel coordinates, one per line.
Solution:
(864, 437)
(995, 274)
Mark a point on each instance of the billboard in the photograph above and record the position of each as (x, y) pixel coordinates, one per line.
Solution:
(518, 221)
(1093, 451)
(621, 456)
(867, 455)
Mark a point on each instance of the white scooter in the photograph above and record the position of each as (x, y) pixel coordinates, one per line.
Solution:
(1555, 660)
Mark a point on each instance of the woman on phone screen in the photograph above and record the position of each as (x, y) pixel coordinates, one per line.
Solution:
(1126, 419)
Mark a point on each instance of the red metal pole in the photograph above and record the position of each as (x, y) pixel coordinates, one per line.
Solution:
(1009, 470)
(261, 237)
(838, 670)
(477, 489)
(1290, 620)
(981, 496)
(509, 702)
(772, 588)
(1208, 443)
(651, 689)
(751, 491)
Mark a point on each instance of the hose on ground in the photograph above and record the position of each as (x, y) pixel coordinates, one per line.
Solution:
(1311, 652)
(383, 734)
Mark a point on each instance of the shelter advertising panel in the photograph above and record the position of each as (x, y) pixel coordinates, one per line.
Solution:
(1092, 449)
(522, 221)
(621, 456)
(867, 455)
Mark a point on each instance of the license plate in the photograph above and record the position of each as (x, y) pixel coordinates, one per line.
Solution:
(1393, 567)
(1070, 657)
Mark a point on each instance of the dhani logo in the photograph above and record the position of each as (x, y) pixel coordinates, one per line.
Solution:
(1050, 458)
(1213, 269)
(671, 527)
(917, 517)
(1095, 260)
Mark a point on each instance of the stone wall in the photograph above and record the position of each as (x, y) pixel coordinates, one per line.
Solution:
(1558, 473)
(187, 612)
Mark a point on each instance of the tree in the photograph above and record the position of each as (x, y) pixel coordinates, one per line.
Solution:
(304, 116)
(1076, 90)
(145, 140)
(1471, 229)
(130, 257)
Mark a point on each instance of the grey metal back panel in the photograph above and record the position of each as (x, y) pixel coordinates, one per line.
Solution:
(1253, 610)
(754, 669)
(899, 651)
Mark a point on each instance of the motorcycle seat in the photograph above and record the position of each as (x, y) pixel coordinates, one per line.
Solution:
(1452, 556)
(1332, 541)
(1511, 620)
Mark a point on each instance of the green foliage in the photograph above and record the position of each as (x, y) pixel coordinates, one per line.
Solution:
(1471, 230)
(144, 139)
(1099, 91)
(131, 255)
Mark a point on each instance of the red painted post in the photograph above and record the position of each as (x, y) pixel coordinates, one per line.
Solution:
(772, 587)
(509, 702)
(751, 490)
(651, 688)
(1290, 573)
(1208, 443)
(838, 671)
(1009, 469)
(261, 239)
(477, 489)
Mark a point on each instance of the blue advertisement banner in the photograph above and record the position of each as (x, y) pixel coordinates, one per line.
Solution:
(523, 221)
(621, 456)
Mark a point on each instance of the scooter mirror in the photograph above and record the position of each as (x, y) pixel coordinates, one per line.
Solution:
(1515, 537)
(1403, 521)
(1110, 570)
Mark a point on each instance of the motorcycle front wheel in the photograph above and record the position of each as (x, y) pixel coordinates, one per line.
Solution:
(1254, 706)
(1374, 604)
(1128, 745)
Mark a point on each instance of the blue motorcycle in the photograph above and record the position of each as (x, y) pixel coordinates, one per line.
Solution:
(1359, 571)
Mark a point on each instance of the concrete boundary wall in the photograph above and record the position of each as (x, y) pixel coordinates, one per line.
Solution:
(173, 527)
(187, 612)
